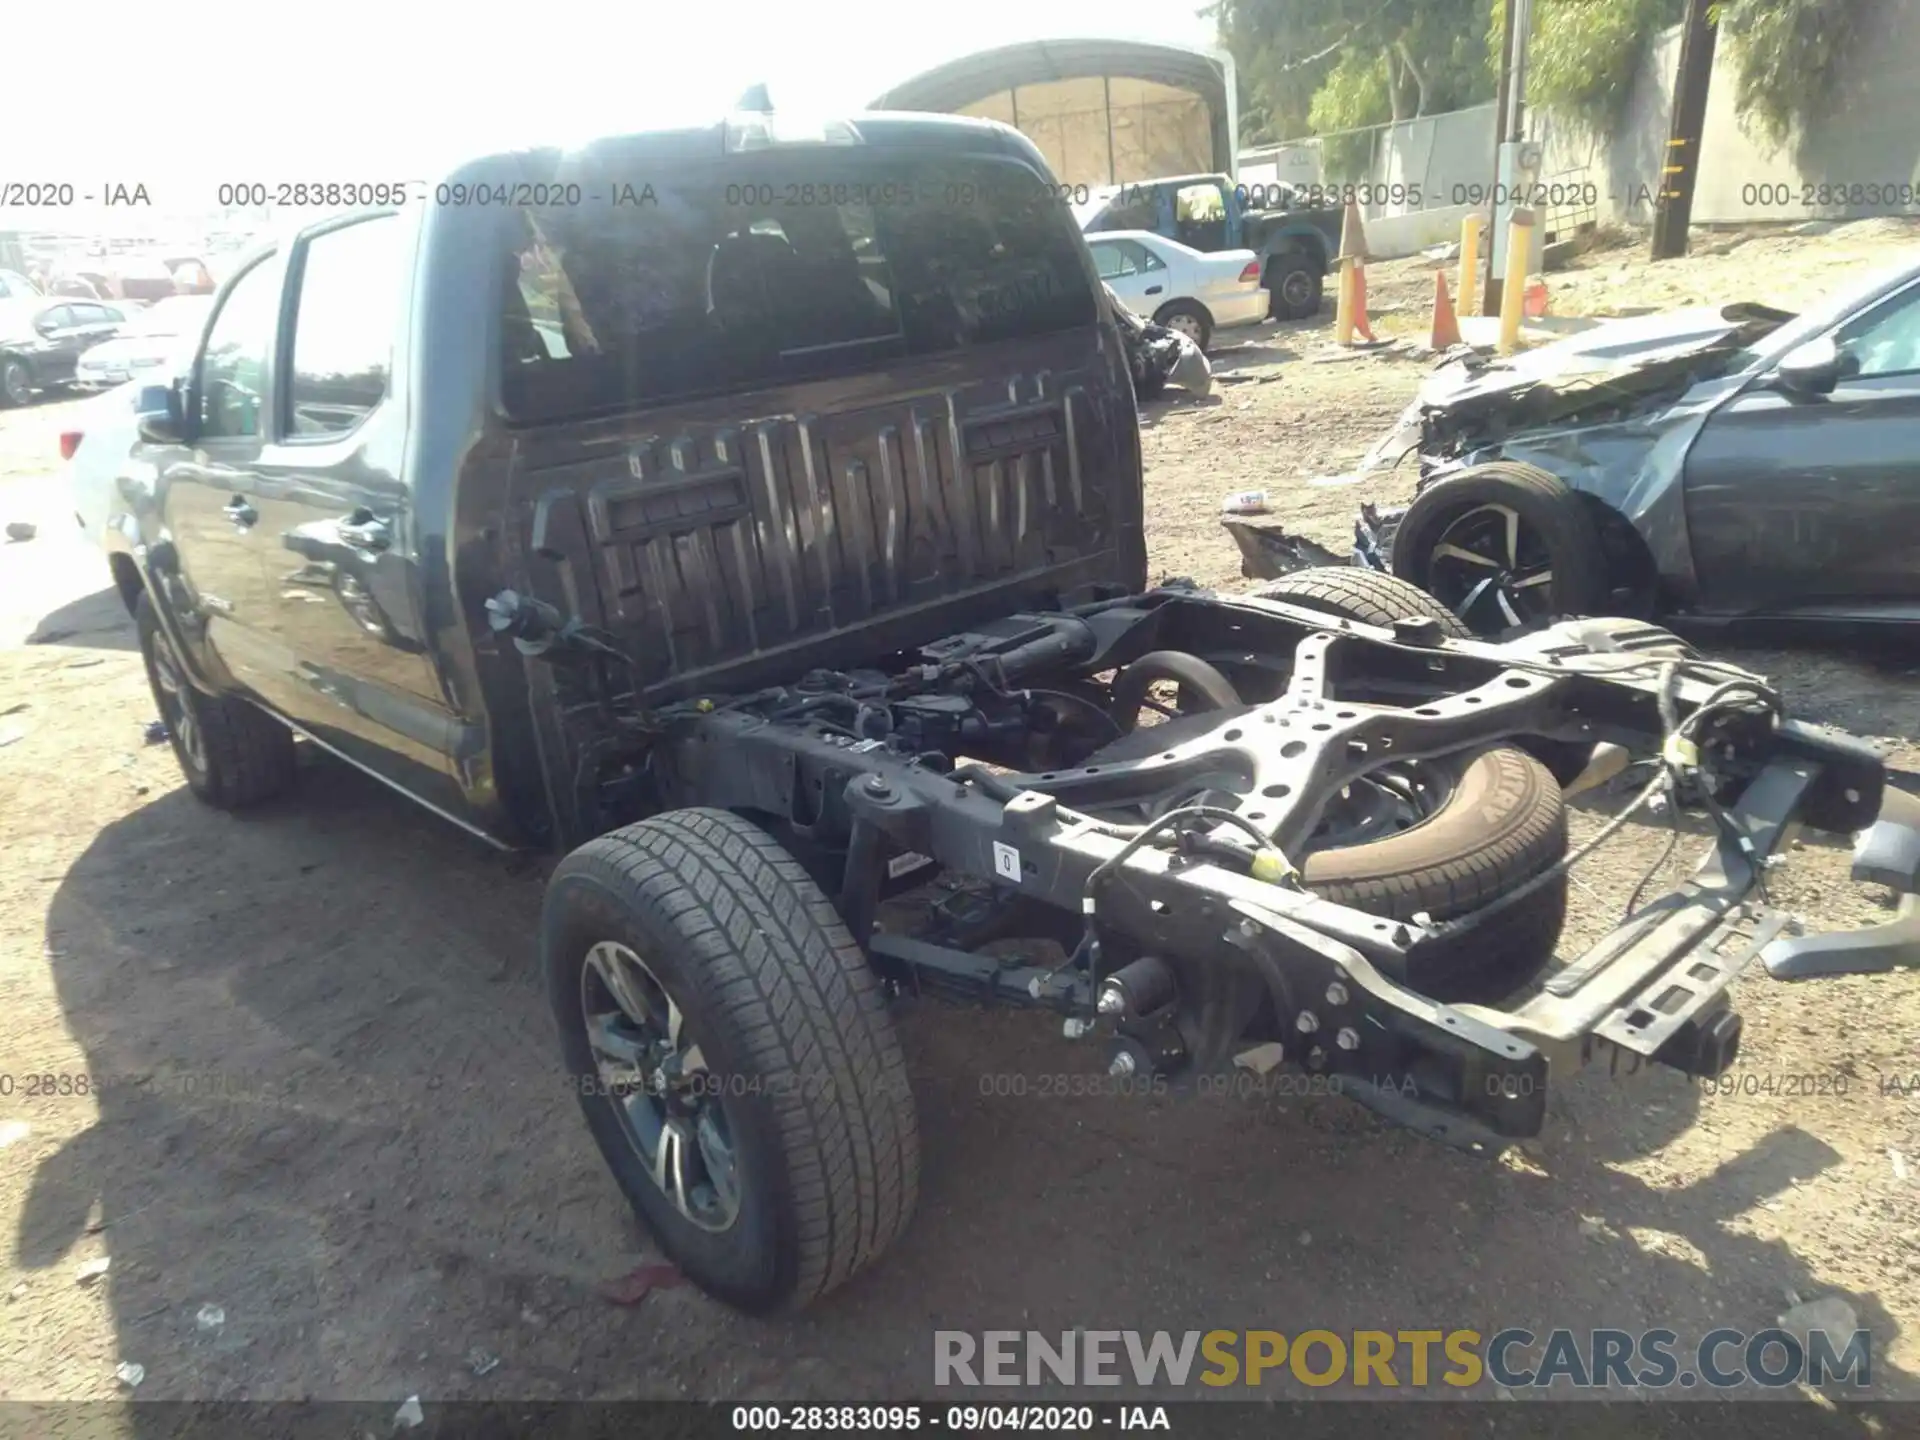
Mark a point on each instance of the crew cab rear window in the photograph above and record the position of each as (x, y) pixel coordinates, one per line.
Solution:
(748, 275)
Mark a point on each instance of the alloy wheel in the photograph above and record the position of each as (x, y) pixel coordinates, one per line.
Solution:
(1492, 570)
(653, 1072)
(176, 704)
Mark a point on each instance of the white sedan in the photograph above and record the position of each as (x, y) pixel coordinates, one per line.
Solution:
(147, 342)
(1180, 287)
(96, 443)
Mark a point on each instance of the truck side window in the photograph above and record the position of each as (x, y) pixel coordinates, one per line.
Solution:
(233, 368)
(343, 326)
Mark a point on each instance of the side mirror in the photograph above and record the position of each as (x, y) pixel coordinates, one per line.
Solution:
(1810, 369)
(159, 415)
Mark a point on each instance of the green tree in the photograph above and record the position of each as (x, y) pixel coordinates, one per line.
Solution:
(1787, 56)
(1583, 54)
(1340, 64)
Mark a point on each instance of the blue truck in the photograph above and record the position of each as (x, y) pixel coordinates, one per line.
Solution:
(1297, 241)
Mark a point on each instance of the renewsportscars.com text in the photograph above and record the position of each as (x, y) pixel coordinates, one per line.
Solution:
(1455, 1359)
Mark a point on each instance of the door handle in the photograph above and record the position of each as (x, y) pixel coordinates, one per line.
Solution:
(241, 513)
(364, 530)
(1153, 289)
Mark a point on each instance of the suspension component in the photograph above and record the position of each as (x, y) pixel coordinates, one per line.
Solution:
(1137, 988)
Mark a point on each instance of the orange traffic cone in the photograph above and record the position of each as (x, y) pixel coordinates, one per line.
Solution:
(1360, 303)
(1445, 333)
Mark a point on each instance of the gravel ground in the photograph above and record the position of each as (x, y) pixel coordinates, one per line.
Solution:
(351, 1139)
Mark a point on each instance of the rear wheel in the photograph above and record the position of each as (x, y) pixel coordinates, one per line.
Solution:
(1505, 546)
(1188, 319)
(732, 1054)
(232, 753)
(1295, 285)
(16, 382)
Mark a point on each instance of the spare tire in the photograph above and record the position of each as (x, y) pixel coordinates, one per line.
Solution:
(1494, 818)
(1505, 546)
(1502, 823)
(1350, 592)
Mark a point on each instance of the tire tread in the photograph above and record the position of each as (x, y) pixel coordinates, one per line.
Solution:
(805, 1003)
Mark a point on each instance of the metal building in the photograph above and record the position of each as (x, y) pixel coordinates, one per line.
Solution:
(1101, 111)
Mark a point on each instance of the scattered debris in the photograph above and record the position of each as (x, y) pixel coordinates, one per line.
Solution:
(130, 1374)
(1245, 502)
(1594, 1228)
(92, 1270)
(156, 732)
(481, 1363)
(530, 1316)
(637, 1284)
(210, 1317)
(1267, 551)
(409, 1416)
(8, 737)
(21, 530)
(1261, 1059)
(1899, 1162)
(84, 661)
(1306, 1237)
(1440, 254)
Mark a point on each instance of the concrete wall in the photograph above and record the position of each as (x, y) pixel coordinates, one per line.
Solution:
(1443, 160)
(1101, 130)
(1872, 137)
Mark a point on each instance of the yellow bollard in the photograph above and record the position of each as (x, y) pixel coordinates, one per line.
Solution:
(1513, 290)
(1343, 305)
(1463, 302)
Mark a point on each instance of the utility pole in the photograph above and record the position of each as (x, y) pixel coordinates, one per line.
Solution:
(1511, 180)
(1674, 210)
(1490, 284)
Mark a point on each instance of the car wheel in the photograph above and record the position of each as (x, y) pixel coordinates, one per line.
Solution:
(1188, 319)
(1295, 286)
(16, 382)
(232, 753)
(1504, 546)
(732, 1054)
(1354, 593)
(1441, 836)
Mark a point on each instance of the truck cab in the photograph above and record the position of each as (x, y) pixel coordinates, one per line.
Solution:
(1296, 243)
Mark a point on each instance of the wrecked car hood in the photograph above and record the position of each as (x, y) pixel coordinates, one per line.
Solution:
(1617, 369)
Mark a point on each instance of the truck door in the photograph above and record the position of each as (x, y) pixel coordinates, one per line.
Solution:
(1200, 216)
(206, 491)
(338, 537)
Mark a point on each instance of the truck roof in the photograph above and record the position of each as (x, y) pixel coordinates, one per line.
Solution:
(890, 129)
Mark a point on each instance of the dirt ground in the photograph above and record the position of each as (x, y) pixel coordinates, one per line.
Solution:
(321, 1092)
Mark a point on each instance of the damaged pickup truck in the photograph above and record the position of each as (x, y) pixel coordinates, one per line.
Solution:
(1712, 467)
(770, 560)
